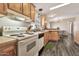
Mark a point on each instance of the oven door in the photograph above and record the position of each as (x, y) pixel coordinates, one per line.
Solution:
(27, 47)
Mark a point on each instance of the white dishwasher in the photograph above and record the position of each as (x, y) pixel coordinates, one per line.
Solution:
(40, 41)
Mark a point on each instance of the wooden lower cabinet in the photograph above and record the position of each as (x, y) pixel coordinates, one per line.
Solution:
(8, 50)
(46, 37)
(51, 35)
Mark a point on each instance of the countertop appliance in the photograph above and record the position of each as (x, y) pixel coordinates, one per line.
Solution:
(27, 43)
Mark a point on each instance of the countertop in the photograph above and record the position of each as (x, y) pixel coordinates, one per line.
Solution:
(38, 32)
(41, 31)
(4, 39)
(56, 30)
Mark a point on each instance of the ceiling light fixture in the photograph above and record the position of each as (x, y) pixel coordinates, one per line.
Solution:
(58, 6)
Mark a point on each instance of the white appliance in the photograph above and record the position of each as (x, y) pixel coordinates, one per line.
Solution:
(27, 44)
(40, 41)
(9, 30)
(28, 47)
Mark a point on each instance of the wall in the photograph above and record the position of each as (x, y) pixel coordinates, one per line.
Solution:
(76, 24)
(8, 22)
(76, 30)
(63, 25)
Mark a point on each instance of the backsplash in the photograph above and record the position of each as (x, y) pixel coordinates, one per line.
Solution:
(4, 21)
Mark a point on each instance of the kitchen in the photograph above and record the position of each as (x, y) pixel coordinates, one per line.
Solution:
(39, 29)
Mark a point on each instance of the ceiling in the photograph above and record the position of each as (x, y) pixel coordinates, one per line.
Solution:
(45, 6)
(71, 9)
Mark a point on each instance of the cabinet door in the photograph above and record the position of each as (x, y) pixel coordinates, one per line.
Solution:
(32, 12)
(54, 36)
(2, 8)
(8, 50)
(43, 19)
(26, 9)
(15, 7)
(50, 35)
(46, 38)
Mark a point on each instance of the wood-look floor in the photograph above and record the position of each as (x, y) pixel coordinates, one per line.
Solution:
(64, 47)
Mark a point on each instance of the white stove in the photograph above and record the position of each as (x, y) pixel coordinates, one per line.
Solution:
(27, 43)
(19, 37)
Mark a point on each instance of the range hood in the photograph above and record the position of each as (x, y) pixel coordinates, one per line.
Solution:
(26, 19)
(18, 17)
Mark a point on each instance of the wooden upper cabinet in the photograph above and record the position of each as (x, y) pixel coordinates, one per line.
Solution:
(26, 9)
(2, 8)
(15, 7)
(43, 20)
(32, 12)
